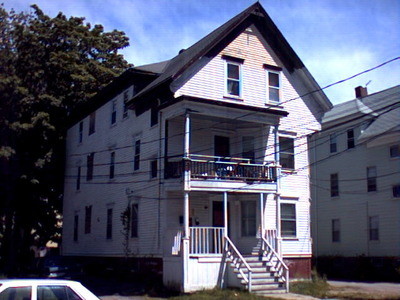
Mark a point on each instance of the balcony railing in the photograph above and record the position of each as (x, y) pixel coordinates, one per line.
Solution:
(214, 167)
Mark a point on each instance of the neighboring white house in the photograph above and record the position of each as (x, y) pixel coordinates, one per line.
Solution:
(355, 178)
(209, 163)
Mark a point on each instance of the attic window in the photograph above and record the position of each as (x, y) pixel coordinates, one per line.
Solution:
(273, 83)
(233, 76)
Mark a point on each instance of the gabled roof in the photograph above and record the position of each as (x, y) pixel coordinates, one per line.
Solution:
(372, 105)
(255, 14)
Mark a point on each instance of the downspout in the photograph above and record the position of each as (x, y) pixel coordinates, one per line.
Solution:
(277, 192)
(159, 182)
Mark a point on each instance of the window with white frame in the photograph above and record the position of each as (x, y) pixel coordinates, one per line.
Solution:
(76, 227)
(233, 76)
(125, 106)
(89, 166)
(113, 112)
(92, 123)
(274, 86)
(153, 168)
(371, 179)
(112, 165)
(80, 133)
(334, 185)
(395, 151)
(333, 143)
(88, 219)
(396, 191)
(136, 160)
(135, 220)
(350, 139)
(335, 230)
(288, 220)
(248, 212)
(373, 228)
(109, 227)
(286, 152)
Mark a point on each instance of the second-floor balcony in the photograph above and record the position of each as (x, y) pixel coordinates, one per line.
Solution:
(220, 168)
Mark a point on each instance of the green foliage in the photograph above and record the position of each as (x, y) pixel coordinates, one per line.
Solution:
(316, 287)
(49, 66)
(220, 294)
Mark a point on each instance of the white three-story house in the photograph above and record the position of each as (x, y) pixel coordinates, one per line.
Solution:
(197, 167)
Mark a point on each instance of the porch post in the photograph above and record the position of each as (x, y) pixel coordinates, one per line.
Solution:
(186, 239)
(225, 214)
(262, 214)
(277, 193)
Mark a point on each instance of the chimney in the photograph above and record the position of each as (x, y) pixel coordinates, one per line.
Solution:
(361, 92)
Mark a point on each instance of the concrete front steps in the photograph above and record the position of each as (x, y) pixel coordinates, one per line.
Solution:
(264, 278)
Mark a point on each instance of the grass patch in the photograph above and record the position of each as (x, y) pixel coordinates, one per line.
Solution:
(220, 294)
(317, 287)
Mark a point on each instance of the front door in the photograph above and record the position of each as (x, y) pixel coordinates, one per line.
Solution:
(218, 214)
(222, 146)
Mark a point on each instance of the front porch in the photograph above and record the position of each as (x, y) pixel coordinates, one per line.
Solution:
(231, 240)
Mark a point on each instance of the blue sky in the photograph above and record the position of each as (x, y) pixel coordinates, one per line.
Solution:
(335, 39)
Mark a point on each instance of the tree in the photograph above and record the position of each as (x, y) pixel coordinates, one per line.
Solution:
(49, 67)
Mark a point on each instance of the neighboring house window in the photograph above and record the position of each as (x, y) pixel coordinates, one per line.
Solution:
(78, 178)
(125, 106)
(288, 220)
(334, 185)
(136, 163)
(80, 137)
(350, 138)
(395, 151)
(113, 112)
(109, 223)
(248, 148)
(153, 168)
(396, 191)
(248, 210)
(112, 165)
(333, 143)
(135, 220)
(274, 86)
(373, 227)
(76, 227)
(153, 117)
(88, 219)
(92, 123)
(233, 78)
(335, 230)
(90, 166)
(371, 179)
(286, 152)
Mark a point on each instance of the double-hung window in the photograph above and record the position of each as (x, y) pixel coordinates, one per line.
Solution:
(136, 161)
(395, 151)
(113, 112)
(233, 76)
(334, 185)
(373, 227)
(371, 179)
(333, 143)
(125, 106)
(88, 219)
(135, 220)
(76, 227)
(112, 165)
(288, 220)
(335, 230)
(92, 123)
(109, 223)
(89, 166)
(350, 139)
(273, 83)
(286, 152)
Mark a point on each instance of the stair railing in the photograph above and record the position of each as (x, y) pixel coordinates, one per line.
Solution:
(238, 262)
(277, 262)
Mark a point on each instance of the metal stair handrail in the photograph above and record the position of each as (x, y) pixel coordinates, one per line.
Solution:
(242, 262)
(280, 265)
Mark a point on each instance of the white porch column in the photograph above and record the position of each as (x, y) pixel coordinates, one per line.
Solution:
(262, 214)
(277, 193)
(225, 214)
(186, 152)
